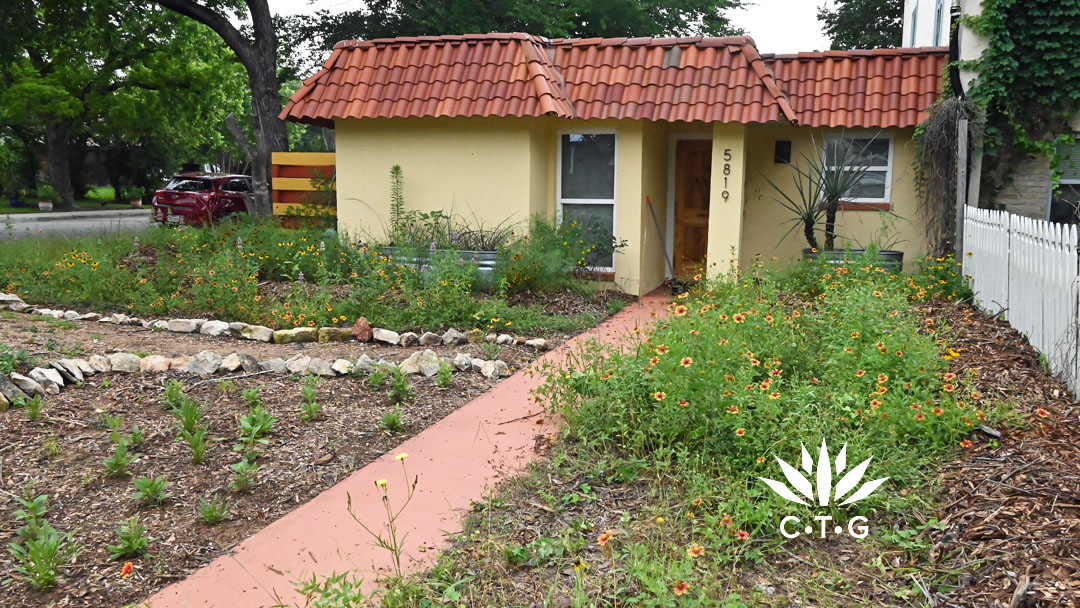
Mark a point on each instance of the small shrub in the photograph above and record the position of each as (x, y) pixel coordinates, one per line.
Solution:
(252, 398)
(400, 389)
(150, 492)
(197, 442)
(188, 414)
(377, 378)
(244, 475)
(213, 511)
(393, 420)
(309, 408)
(258, 423)
(117, 464)
(136, 438)
(39, 559)
(174, 394)
(445, 375)
(133, 539)
(32, 514)
(226, 386)
(33, 406)
(52, 447)
(490, 350)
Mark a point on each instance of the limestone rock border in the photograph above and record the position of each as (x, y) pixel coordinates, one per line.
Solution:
(261, 333)
(50, 378)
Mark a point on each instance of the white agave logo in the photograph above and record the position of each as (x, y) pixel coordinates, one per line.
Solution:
(824, 478)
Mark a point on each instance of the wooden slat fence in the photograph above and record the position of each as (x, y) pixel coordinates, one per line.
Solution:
(303, 180)
(1029, 271)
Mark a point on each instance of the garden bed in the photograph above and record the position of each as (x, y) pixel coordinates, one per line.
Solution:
(61, 455)
(988, 519)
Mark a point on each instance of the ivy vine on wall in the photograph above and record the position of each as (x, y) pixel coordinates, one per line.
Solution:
(1029, 82)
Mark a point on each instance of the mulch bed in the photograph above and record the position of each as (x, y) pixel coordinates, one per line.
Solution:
(1013, 512)
(301, 460)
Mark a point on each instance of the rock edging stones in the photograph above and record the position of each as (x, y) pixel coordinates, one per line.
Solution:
(50, 378)
(361, 331)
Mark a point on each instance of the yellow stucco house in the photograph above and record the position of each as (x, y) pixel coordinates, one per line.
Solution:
(504, 126)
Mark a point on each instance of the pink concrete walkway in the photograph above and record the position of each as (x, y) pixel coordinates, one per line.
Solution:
(457, 460)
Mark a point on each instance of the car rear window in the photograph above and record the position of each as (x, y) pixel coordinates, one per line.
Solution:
(187, 184)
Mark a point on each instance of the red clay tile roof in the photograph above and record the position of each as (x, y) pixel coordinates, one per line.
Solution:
(662, 79)
(710, 79)
(469, 75)
(669, 79)
(878, 88)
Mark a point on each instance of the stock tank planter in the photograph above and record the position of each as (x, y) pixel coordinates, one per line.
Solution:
(485, 261)
(886, 258)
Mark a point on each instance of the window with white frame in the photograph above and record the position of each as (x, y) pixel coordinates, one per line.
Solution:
(914, 24)
(939, 18)
(1065, 196)
(587, 190)
(871, 154)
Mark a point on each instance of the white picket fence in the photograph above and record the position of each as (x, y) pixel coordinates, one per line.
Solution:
(1029, 271)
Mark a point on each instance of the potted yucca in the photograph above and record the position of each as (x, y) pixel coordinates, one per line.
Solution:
(820, 187)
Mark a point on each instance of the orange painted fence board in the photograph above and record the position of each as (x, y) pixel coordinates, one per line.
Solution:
(300, 180)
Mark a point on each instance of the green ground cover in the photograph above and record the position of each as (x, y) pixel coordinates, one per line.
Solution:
(97, 199)
(258, 272)
(652, 496)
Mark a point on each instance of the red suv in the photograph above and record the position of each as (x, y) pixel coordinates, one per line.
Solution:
(197, 198)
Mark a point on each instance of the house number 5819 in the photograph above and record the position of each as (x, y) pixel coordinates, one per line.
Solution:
(727, 171)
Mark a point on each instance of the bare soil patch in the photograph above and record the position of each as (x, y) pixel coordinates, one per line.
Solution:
(301, 459)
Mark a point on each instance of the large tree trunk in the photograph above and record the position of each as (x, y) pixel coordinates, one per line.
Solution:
(259, 57)
(57, 140)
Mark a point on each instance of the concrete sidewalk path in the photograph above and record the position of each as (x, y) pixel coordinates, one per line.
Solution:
(457, 460)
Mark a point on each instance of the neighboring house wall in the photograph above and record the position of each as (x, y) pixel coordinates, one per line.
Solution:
(766, 220)
(926, 22)
(1028, 192)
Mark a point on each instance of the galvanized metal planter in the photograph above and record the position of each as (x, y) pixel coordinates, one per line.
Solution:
(887, 258)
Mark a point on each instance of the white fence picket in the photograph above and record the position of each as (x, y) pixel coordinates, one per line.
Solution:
(1028, 270)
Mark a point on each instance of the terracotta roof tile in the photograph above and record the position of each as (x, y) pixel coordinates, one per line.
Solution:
(875, 88)
(666, 79)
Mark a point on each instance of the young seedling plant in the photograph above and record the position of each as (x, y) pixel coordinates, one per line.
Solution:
(151, 491)
(310, 409)
(133, 539)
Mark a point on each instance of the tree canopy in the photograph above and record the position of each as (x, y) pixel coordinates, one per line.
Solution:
(134, 82)
(551, 18)
(863, 24)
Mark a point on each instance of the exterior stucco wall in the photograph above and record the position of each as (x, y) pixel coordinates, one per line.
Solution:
(1028, 192)
(469, 166)
(765, 221)
(654, 184)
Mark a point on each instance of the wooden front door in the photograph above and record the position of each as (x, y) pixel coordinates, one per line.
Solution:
(693, 172)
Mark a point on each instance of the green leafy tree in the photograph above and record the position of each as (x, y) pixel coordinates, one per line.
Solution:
(126, 75)
(863, 24)
(551, 18)
(258, 54)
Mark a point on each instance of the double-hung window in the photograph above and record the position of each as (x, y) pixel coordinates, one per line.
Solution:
(587, 191)
(871, 154)
(914, 24)
(1065, 197)
(939, 21)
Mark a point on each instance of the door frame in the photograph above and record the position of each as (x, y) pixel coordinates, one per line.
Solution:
(669, 237)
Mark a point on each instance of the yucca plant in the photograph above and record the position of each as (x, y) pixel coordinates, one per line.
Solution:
(822, 181)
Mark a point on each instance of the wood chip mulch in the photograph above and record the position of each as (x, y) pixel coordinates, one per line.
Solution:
(61, 455)
(1012, 513)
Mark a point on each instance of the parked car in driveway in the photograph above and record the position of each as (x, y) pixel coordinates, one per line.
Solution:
(198, 198)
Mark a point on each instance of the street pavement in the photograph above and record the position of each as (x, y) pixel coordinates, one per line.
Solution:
(73, 223)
